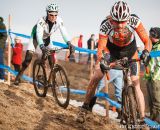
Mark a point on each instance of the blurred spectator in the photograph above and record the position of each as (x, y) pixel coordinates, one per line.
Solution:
(89, 44)
(116, 78)
(153, 77)
(80, 44)
(80, 41)
(17, 54)
(3, 38)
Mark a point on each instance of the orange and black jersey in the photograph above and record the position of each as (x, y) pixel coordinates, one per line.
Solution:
(116, 40)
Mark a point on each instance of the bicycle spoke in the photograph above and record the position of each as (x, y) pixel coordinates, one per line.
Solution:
(61, 76)
(61, 97)
(38, 70)
(39, 79)
(61, 86)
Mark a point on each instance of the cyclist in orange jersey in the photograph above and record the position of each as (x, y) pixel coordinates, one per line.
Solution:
(117, 38)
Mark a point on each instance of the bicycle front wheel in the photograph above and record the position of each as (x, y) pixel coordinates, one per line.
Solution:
(39, 78)
(60, 88)
(129, 107)
(133, 106)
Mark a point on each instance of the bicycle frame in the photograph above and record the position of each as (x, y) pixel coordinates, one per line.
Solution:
(127, 77)
(130, 103)
(51, 54)
(55, 79)
(128, 84)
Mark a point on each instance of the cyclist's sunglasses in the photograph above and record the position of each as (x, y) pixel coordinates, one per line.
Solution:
(53, 15)
(120, 22)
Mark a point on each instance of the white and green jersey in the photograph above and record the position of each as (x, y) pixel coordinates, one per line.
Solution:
(41, 32)
(154, 65)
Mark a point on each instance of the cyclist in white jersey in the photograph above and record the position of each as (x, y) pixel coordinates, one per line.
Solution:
(41, 34)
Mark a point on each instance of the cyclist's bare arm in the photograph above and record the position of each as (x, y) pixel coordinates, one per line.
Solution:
(144, 37)
(102, 42)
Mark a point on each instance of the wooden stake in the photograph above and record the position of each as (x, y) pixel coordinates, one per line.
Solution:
(91, 68)
(9, 49)
(107, 103)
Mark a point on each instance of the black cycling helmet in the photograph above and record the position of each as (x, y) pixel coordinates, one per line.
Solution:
(155, 32)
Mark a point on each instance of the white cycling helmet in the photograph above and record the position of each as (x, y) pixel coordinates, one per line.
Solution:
(120, 11)
(53, 7)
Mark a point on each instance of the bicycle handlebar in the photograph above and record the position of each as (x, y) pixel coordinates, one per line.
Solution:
(54, 50)
(49, 52)
(122, 63)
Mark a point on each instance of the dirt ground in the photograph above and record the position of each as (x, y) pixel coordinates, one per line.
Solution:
(21, 109)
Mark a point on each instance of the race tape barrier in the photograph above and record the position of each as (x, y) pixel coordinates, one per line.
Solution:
(17, 34)
(20, 35)
(15, 73)
(99, 94)
(82, 92)
(2, 31)
(153, 54)
(149, 122)
(76, 48)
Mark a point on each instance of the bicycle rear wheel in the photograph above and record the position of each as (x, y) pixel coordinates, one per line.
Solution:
(60, 88)
(39, 78)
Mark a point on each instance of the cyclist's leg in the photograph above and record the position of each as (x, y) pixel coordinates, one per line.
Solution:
(51, 61)
(29, 53)
(90, 94)
(25, 64)
(100, 86)
(51, 64)
(135, 70)
(140, 95)
(98, 75)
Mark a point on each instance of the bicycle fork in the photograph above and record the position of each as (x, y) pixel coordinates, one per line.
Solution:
(127, 85)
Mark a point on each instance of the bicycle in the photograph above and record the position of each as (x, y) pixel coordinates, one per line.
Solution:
(130, 113)
(57, 79)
